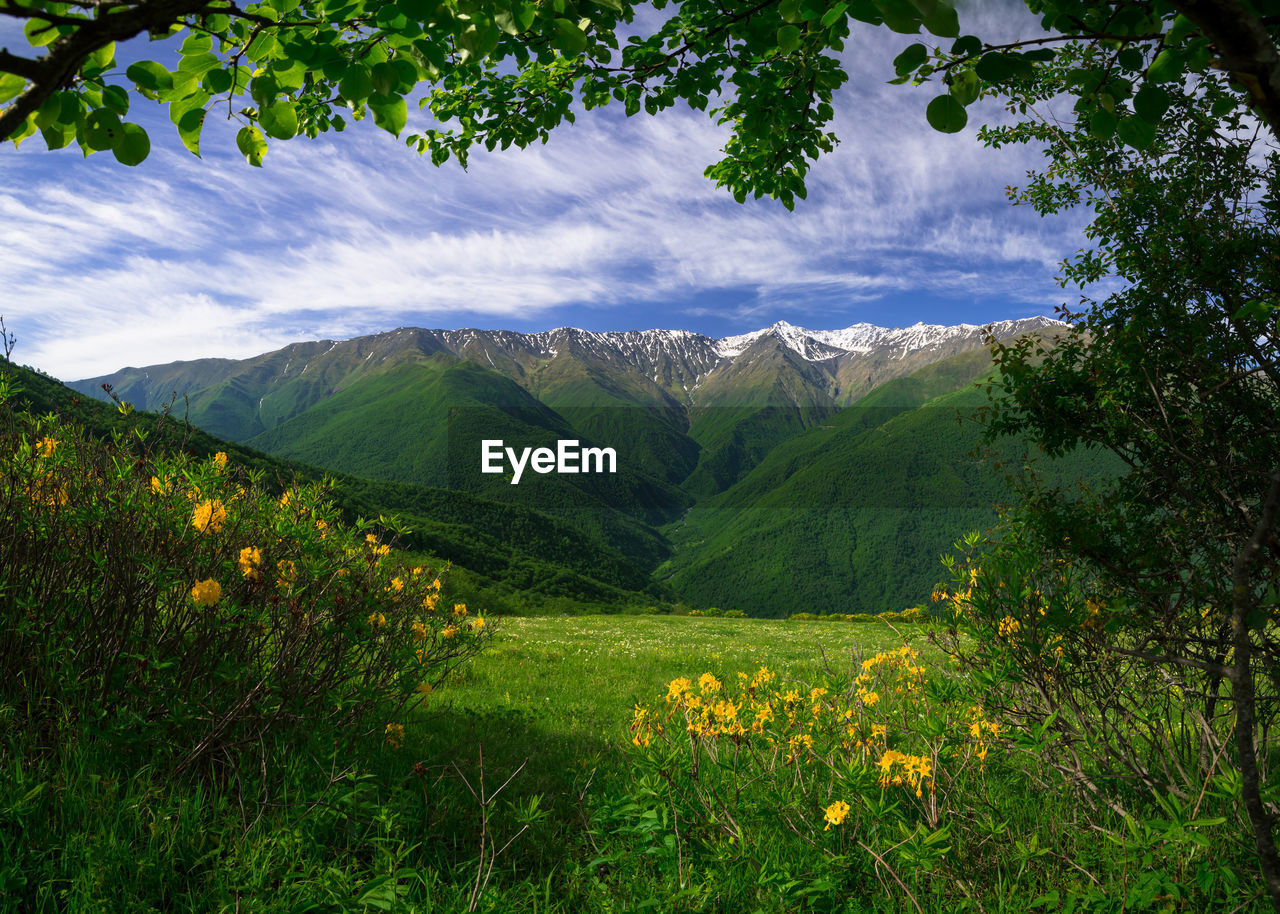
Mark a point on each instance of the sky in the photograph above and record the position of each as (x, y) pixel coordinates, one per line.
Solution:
(609, 226)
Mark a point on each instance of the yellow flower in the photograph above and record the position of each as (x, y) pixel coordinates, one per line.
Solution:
(250, 559)
(677, 688)
(396, 585)
(835, 813)
(395, 735)
(419, 631)
(377, 620)
(1009, 626)
(47, 446)
(448, 631)
(209, 516)
(285, 498)
(286, 572)
(220, 460)
(708, 683)
(429, 602)
(870, 698)
(477, 623)
(206, 592)
(459, 609)
(157, 485)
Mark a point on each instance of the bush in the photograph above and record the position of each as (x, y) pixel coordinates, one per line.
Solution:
(734, 614)
(181, 602)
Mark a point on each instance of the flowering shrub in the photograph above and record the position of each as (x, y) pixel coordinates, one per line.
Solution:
(183, 600)
(857, 769)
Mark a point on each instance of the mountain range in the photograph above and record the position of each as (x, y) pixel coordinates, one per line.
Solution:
(784, 455)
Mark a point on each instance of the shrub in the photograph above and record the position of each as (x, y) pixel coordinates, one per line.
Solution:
(181, 601)
(734, 614)
(789, 778)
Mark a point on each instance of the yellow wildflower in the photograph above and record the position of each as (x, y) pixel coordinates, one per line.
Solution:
(286, 573)
(429, 602)
(477, 623)
(395, 735)
(220, 460)
(835, 813)
(459, 609)
(448, 631)
(396, 585)
(377, 620)
(157, 486)
(870, 698)
(708, 683)
(206, 592)
(1009, 626)
(47, 446)
(209, 516)
(678, 688)
(419, 631)
(250, 559)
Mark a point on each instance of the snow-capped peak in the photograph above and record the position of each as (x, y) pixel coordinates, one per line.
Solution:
(816, 345)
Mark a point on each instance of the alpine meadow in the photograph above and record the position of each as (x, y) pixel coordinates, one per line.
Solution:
(332, 579)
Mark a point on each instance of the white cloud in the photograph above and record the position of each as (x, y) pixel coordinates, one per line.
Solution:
(182, 258)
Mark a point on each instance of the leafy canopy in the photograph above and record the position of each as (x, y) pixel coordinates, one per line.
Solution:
(507, 72)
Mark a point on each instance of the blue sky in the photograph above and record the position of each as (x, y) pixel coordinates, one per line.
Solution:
(609, 226)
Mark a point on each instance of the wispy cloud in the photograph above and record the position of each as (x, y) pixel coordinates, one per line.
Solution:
(104, 266)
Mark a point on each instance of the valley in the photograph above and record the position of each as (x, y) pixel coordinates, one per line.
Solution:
(773, 472)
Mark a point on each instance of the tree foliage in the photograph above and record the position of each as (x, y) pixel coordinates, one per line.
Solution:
(506, 72)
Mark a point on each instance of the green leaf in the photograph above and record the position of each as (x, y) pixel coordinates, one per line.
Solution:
(59, 108)
(185, 84)
(1136, 132)
(967, 46)
(910, 59)
(189, 127)
(788, 39)
(25, 131)
(1130, 59)
(134, 145)
(290, 74)
(117, 99)
(1255, 309)
(834, 15)
(1167, 67)
(356, 85)
(102, 129)
(1102, 125)
(196, 43)
(199, 64)
(251, 142)
(569, 40)
(1151, 103)
(945, 114)
(965, 87)
(147, 74)
(279, 119)
(104, 56)
(385, 78)
(995, 67)
(390, 114)
(40, 32)
(11, 85)
(216, 82)
(900, 15)
(943, 22)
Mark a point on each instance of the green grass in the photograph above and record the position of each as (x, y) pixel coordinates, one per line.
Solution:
(366, 827)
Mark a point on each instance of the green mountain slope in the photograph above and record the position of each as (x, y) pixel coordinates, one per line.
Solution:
(510, 556)
(851, 517)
